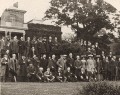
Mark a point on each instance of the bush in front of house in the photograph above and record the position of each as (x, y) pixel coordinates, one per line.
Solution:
(99, 88)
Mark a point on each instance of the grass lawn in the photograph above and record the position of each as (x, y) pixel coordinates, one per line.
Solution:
(40, 88)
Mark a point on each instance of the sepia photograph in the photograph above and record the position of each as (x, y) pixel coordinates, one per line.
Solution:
(59, 47)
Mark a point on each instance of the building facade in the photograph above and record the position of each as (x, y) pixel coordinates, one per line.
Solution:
(42, 30)
(12, 22)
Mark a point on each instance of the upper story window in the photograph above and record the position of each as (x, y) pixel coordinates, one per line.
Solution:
(13, 20)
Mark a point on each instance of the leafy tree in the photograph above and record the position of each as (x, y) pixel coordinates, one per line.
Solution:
(85, 17)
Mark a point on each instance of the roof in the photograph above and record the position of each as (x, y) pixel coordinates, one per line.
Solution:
(43, 27)
(15, 9)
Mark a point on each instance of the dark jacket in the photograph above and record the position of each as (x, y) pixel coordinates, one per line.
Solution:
(23, 67)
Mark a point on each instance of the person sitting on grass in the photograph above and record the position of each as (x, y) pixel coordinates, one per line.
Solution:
(59, 75)
(93, 75)
(40, 75)
(69, 76)
(31, 73)
(83, 75)
(48, 76)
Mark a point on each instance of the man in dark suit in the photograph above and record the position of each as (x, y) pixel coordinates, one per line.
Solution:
(13, 68)
(97, 49)
(2, 46)
(43, 63)
(15, 46)
(112, 67)
(4, 65)
(22, 45)
(31, 73)
(55, 47)
(23, 69)
(28, 47)
(49, 46)
(41, 47)
(69, 76)
(33, 52)
(52, 64)
(35, 61)
(70, 62)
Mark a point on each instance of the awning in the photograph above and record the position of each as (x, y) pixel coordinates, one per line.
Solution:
(12, 30)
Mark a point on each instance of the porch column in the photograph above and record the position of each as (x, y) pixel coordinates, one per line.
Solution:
(24, 36)
(10, 35)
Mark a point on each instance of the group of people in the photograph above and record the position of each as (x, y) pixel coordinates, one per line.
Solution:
(36, 61)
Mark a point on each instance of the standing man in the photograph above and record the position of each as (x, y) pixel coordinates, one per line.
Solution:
(8, 45)
(34, 42)
(14, 46)
(4, 64)
(40, 48)
(21, 45)
(112, 67)
(2, 46)
(44, 63)
(13, 68)
(70, 62)
(44, 45)
(28, 47)
(23, 69)
(78, 65)
(99, 68)
(49, 46)
(62, 63)
(52, 64)
(97, 49)
(55, 47)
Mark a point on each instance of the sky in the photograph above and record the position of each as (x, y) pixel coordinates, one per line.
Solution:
(36, 8)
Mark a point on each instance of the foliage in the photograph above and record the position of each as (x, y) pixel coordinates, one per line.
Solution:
(65, 47)
(83, 16)
(101, 88)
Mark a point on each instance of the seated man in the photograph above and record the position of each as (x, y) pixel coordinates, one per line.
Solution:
(40, 75)
(83, 75)
(93, 75)
(48, 76)
(31, 73)
(59, 75)
(70, 77)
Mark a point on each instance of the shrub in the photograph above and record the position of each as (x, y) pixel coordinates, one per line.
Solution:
(101, 88)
